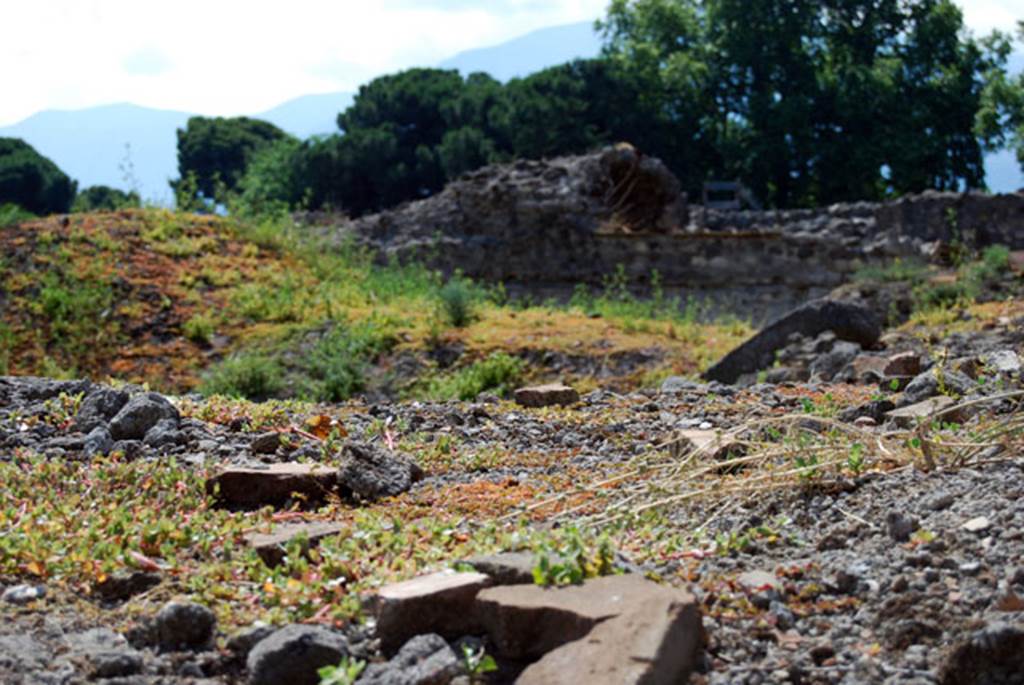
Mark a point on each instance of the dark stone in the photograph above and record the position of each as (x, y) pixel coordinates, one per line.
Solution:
(98, 442)
(184, 625)
(423, 660)
(163, 434)
(265, 443)
(99, 407)
(293, 654)
(875, 410)
(141, 413)
(850, 322)
(935, 382)
(242, 642)
(122, 586)
(369, 472)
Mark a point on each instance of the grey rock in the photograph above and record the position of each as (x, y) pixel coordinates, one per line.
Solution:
(242, 642)
(116, 664)
(940, 501)
(674, 384)
(98, 442)
(899, 526)
(99, 407)
(831, 363)
(140, 414)
(184, 625)
(928, 384)
(165, 433)
(1002, 362)
(369, 472)
(293, 654)
(265, 443)
(23, 594)
(850, 322)
(423, 660)
(442, 602)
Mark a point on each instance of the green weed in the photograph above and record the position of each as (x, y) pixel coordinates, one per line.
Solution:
(250, 376)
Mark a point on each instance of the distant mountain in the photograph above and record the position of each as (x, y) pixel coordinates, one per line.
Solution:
(309, 115)
(530, 53)
(96, 145)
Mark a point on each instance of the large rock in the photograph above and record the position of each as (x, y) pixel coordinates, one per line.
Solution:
(99, 407)
(255, 487)
(293, 654)
(850, 322)
(994, 654)
(141, 413)
(437, 603)
(527, 621)
(370, 472)
(423, 660)
(506, 568)
(655, 642)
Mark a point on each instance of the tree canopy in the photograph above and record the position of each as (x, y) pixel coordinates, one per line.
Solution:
(104, 198)
(32, 181)
(808, 102)
(213, 153)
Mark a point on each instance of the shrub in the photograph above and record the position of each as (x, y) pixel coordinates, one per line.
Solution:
(104, 198)
(458, 299)
(11, 214)
(199, 329)
(32, 181)
(498, 373)
(250, 376)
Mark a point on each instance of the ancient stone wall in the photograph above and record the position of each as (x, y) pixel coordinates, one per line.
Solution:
(576, 219)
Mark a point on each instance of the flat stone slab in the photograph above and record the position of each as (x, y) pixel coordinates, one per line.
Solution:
(272, 546)
(506, 568)
(554, 394)
(440, 603)
(252, 487)
(528, 621)
(654, 643)
(907, 417)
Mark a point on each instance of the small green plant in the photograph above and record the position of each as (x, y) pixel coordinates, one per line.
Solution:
(458, 298)
(477, 662)
(248, 376)
(573, 561)
(198, 329)
(11, 214)
(855, 460)
(497, 373)
(345, 673)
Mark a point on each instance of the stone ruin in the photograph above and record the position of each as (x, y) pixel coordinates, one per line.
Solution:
(555, 223)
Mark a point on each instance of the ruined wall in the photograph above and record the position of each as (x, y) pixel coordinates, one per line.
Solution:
(576, 219)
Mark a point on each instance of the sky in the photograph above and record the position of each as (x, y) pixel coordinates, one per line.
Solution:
(229, 57)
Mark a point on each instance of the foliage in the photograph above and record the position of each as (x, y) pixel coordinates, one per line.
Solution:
(272, 180)
(477, 663)
(104, 198)
(31, 181)
(1000, 119)
(498, 373)
(336, 366)
(571, 560)
(798, 99)
(457, 299)
(216, 151)
(251, 376)
(11, 214)
(345, 673)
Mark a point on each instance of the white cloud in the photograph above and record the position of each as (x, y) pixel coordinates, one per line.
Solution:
(232, 56)
(242, 56)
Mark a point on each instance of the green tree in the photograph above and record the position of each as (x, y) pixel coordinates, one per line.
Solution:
(273, 180)
(810, 101)
(1000, 121)
(216, 151)
(104, 198)
(31, 181)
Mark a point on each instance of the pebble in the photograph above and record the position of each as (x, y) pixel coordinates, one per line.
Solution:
(23, 594)
(977, 525)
